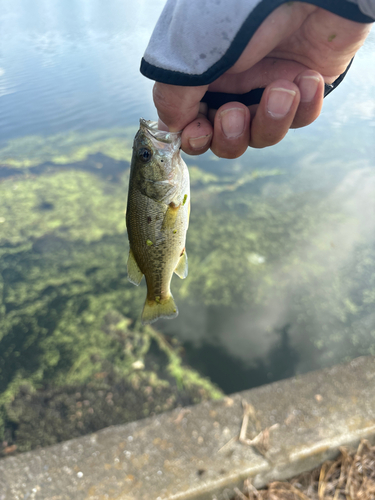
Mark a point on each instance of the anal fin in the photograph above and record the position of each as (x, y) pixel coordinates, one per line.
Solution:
(182, 266)
(134, 273)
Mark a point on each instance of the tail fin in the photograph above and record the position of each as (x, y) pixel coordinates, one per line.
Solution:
(155, 309)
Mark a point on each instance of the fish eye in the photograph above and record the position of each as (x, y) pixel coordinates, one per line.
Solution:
(145, 155)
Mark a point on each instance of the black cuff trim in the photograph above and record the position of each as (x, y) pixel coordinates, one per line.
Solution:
(215, 100)
(329, 87)
(342, 8)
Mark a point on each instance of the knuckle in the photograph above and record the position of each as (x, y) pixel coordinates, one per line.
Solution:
(162, 98)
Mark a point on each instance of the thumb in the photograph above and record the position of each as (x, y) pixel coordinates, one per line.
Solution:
(177, 106)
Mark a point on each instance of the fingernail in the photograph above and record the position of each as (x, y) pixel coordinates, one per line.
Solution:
(232, 122)
(280, 101)
(308, 86)
(200, 142)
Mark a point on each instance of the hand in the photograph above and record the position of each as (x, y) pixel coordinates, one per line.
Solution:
(297, 49)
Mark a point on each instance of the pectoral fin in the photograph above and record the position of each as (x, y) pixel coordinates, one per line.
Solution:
(182, 266)
(170, 217)
(134, 273)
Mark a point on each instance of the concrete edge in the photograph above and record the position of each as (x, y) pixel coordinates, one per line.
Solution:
(194, 453)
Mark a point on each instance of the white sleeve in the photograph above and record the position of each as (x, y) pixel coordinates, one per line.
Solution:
(367, 7)
(196, 41)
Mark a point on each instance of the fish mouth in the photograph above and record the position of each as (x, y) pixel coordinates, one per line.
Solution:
(151, 129)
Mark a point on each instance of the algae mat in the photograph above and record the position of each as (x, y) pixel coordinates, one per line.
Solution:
(263, 252)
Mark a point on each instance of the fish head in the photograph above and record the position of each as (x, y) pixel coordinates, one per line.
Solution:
(156, 153)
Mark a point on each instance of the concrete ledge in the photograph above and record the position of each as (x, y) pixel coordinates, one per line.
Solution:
(194, 453)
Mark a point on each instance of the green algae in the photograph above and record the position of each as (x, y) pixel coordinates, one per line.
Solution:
(199, 176)
(75, 205)
(67, 147)
(118, 388)
(212, 183)
(61, 336)
(69, 316)
(63, 250)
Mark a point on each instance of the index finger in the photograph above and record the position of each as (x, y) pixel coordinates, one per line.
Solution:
(177, 106)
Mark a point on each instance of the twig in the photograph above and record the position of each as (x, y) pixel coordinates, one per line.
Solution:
(232, 440)
(240, 494)
(250, 487)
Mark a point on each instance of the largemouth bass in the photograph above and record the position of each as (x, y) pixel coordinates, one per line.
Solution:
(157, 217)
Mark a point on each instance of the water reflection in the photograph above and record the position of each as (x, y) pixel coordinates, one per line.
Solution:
(274, 360)
(72, 66)
(312, 276)
(281, 242)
